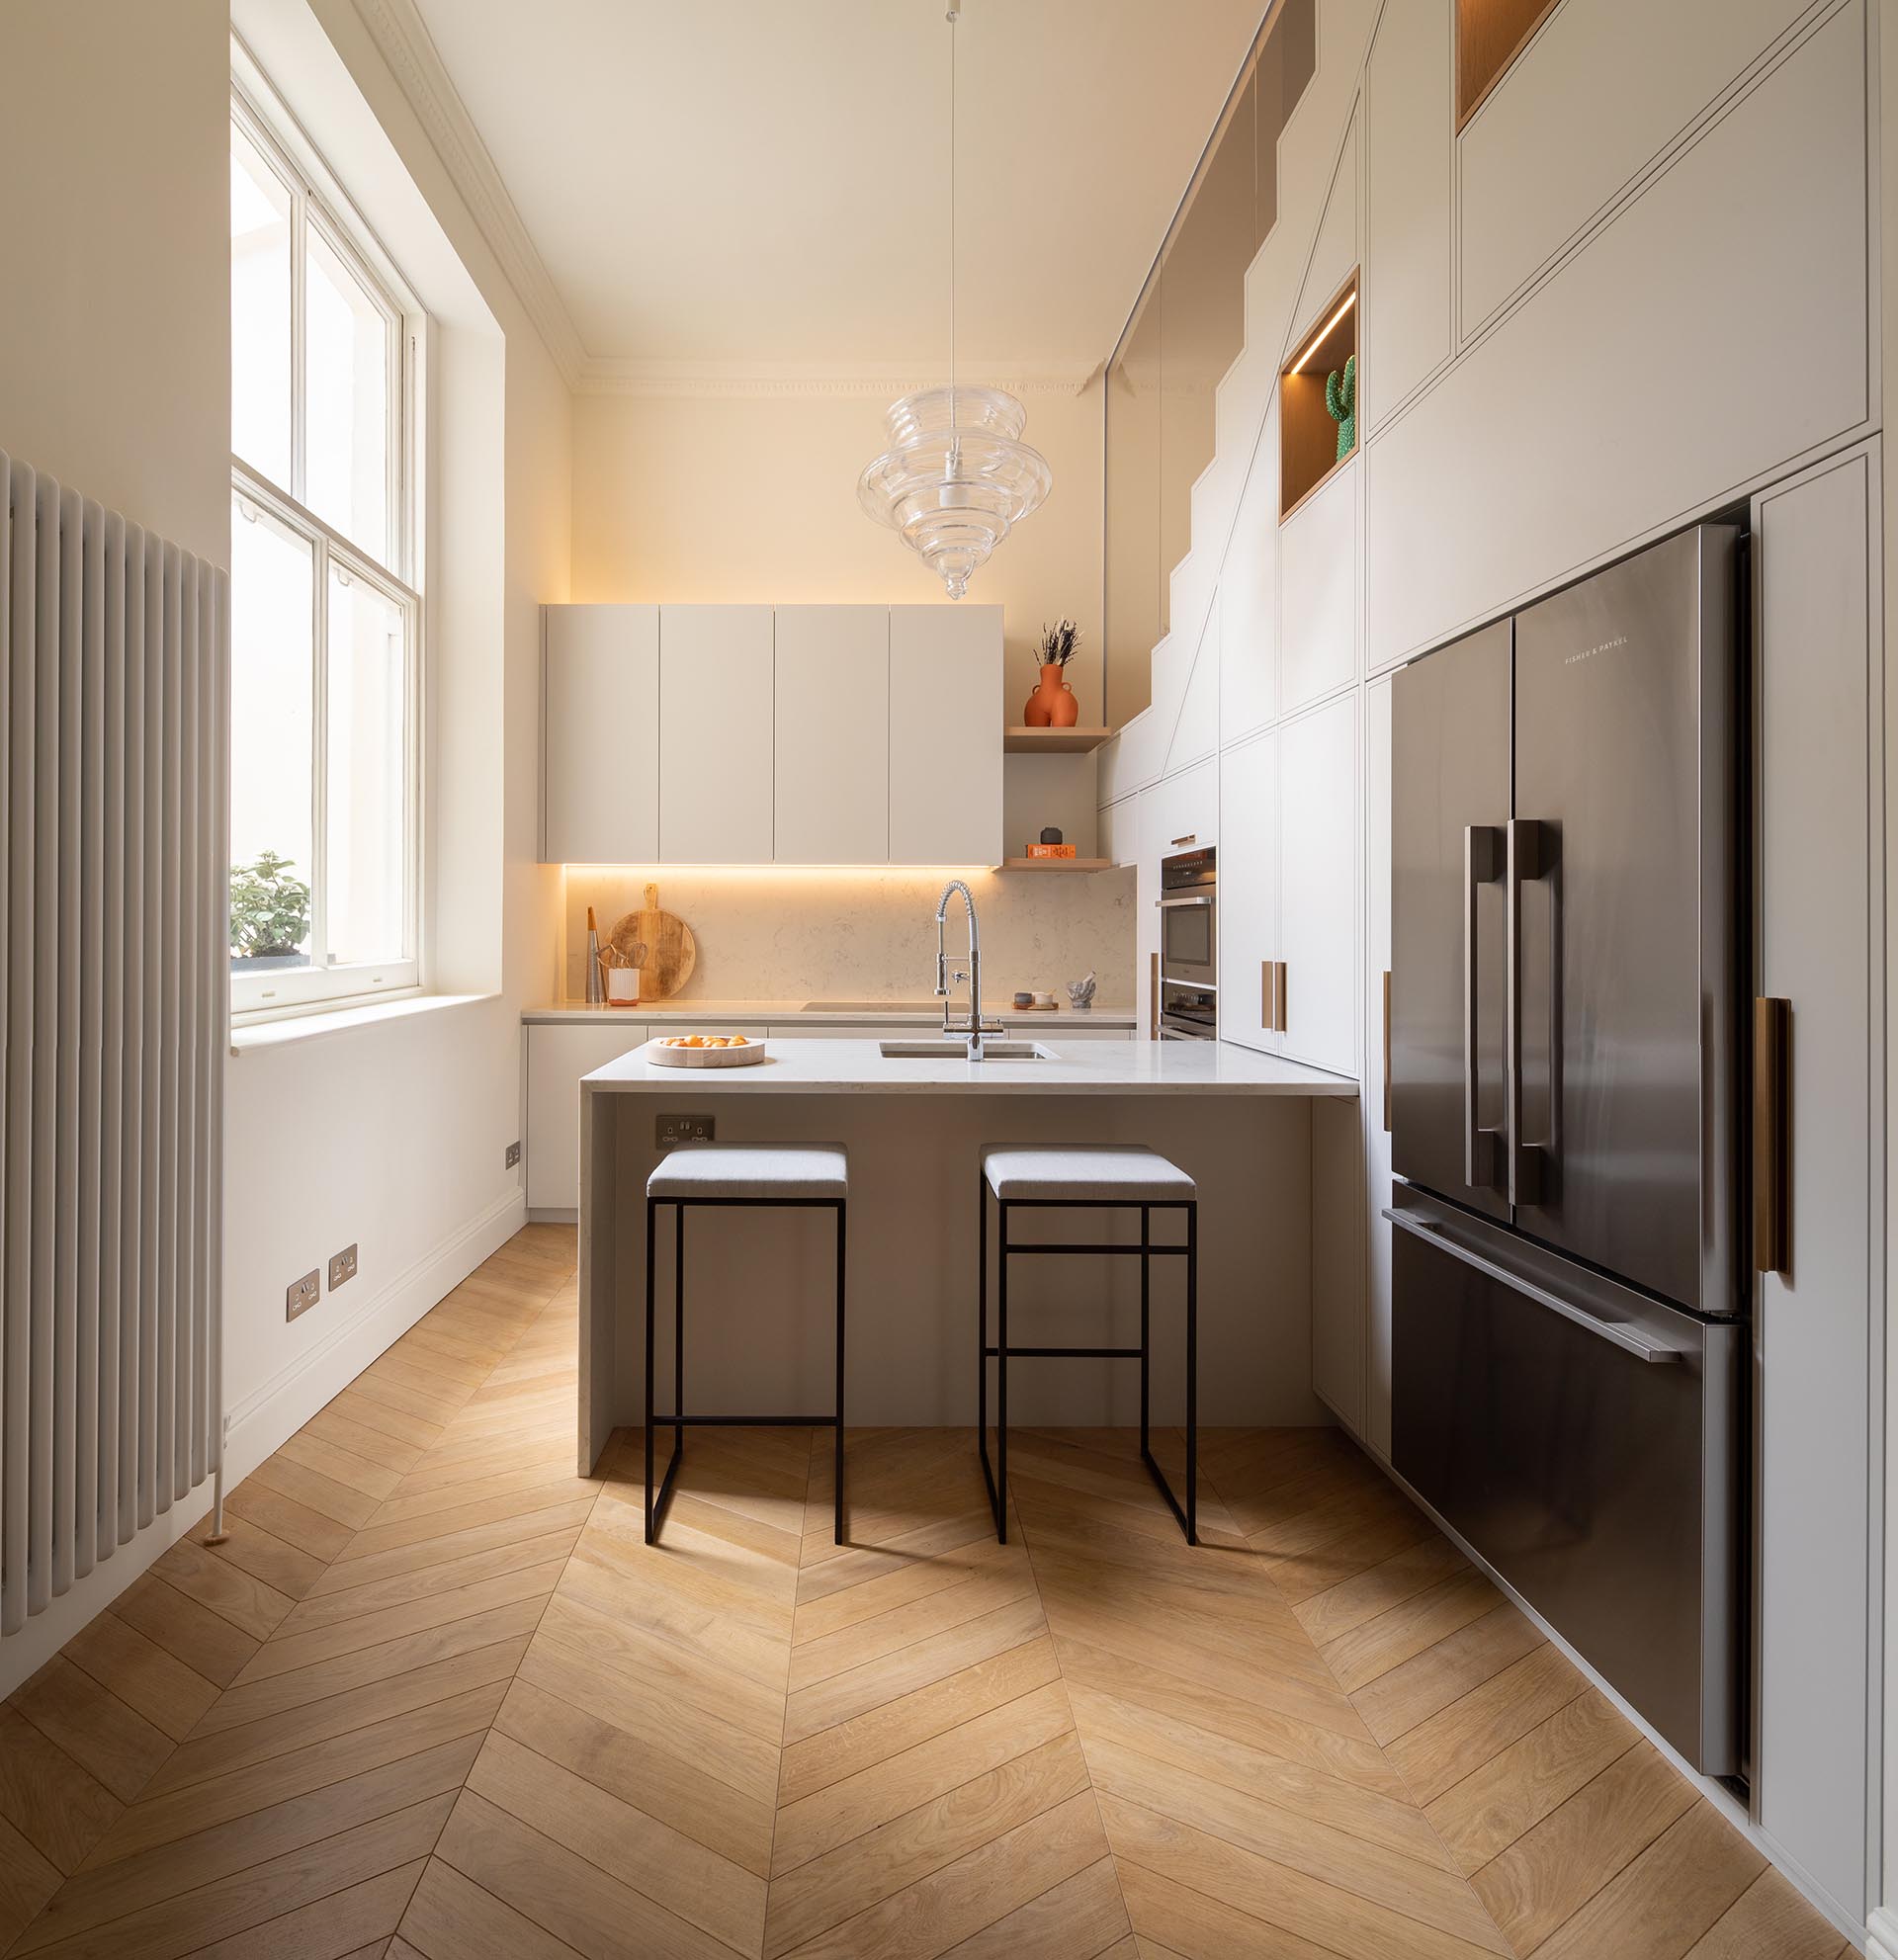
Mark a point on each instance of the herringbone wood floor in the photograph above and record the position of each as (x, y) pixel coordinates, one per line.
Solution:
(435, 1697)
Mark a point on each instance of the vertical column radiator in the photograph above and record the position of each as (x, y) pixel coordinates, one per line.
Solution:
(113, 718)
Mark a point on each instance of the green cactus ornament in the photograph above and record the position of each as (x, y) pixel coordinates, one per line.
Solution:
(1340, 403)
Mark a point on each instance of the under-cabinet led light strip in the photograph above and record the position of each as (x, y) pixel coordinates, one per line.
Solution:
(1318, 339)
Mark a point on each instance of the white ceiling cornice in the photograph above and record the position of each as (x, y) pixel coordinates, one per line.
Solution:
(403, 36)
(684, 380)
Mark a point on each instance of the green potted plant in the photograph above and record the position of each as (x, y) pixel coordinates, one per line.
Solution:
(1053, 704)
(269, 914)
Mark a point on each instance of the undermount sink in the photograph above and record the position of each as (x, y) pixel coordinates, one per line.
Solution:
(940, 1050)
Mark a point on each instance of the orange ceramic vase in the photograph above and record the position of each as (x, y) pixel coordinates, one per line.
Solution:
(1053, 704)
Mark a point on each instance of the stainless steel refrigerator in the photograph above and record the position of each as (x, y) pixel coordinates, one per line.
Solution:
(1567, 986)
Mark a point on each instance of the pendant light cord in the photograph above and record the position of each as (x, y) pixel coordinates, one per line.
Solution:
(955, 9)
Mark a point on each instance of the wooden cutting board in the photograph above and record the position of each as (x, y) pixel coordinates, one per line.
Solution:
(670, 950)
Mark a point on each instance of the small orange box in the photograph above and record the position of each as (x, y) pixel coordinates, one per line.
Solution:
(1050, 850)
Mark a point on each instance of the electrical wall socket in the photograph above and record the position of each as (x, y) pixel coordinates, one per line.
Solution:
(342, 1266)
(670, 1131)
(512, 1157)
(299, 1295)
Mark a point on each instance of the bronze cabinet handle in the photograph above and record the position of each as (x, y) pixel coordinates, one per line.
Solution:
(1773, 1135)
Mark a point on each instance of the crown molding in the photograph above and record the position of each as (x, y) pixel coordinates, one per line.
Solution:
(400, 32)
(734, 381)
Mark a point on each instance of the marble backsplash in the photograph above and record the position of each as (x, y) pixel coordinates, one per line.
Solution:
(784, 934)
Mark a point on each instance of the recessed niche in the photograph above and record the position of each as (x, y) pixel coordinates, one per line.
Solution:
(1490, 34)
(1308, 432)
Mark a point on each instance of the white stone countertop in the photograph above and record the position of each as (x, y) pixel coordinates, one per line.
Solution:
(815, 1067)
(895, 1013)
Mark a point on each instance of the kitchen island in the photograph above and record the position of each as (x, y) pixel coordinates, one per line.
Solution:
(758, 1314)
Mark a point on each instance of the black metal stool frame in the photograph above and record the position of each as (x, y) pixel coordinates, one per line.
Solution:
(678, 1421)
(996, 1476)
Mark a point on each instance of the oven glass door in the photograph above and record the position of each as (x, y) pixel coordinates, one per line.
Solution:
(1186, 942)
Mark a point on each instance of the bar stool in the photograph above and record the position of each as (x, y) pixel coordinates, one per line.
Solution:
(1097, 1177)
(735, 1175)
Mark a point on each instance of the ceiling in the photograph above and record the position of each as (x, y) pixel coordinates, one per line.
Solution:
(733, 186)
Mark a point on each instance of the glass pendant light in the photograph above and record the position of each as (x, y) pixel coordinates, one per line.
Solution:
(957, 475)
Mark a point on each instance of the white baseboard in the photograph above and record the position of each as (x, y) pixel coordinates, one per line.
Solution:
(1882, 1934)
(271, 1414)
(25, 1652)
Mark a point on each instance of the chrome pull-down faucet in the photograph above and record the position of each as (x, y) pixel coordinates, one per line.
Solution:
(945, 979)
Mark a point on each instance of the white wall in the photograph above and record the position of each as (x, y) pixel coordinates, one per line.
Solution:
(755, 499)
(115, 331)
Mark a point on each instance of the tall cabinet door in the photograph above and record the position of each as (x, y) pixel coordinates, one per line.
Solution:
(1821, 947)
(1318, 885)
(1621, 854)
(600, 734)
(1450, 818)
(1248, 893)
(715, 735)
(946, 734)
(832, 791)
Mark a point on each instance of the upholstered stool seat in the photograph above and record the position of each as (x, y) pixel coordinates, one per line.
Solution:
(735, 1174)
(1087, 1177)
(756, 1172)
(1068, 1173)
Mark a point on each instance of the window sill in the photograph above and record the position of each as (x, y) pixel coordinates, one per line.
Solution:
(343, 1020)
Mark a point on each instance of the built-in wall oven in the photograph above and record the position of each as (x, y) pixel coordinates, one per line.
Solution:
(1187, 1008)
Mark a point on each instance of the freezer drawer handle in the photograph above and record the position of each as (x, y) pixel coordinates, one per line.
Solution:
(1621, 1333)
(1387, 1051)
(1481, 853)
(1771, 1135)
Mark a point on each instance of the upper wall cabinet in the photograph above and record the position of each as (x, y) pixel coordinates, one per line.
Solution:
(600, 734)
(754, 734)
(1407, 150)
(1196, 729)
(1541, 157)
(715, 735)
(1249, 599)
(833, 735)
(946, 734)
(1583, 422)
(1318, 593)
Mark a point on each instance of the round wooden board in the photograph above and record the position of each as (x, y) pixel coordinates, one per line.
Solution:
(704, 1057)
(670, 950)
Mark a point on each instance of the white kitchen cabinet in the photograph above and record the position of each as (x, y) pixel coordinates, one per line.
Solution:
(1248, 892)
(1498, 482)
(1818, 1338)
(1377, 1135)
(1318, 593)
(1118, 831)
(599, 734)
(946, 734)
(559, 1054)
(1184, 810)
(1408, 146)
(832, 743)
(1318, 885)
(1196, 729)
(715, 735)
(1146, 913)
(1539, 159)
(1249, 599)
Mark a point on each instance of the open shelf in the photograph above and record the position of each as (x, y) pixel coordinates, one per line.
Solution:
(1056, 864)
(1490, 34)
(1053, 742)
(1307, 435)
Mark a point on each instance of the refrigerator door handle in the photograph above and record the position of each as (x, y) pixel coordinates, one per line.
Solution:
(1622, 1333)
(1480, 866)
(1523, 1180)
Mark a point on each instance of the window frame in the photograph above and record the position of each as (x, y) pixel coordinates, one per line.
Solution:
(317, 202)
